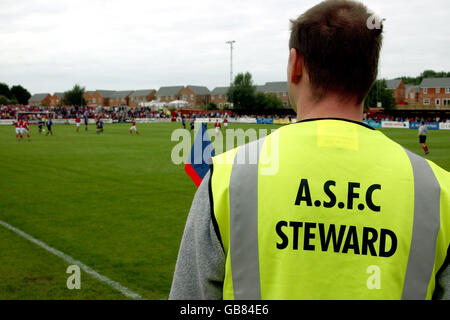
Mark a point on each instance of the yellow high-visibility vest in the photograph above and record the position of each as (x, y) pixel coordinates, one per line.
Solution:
(330, 209)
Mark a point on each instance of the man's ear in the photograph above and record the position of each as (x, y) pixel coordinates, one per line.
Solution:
(295, 66)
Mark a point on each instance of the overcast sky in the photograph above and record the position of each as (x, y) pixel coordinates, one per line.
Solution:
(49, 45)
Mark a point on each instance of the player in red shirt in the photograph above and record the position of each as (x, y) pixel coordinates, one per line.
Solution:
(18, 125)
(225, 123)
(218, 126)
(78, 123)
(25, 129)
(133, 127)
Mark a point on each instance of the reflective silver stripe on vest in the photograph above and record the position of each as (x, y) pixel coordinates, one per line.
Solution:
(425, 229)
(244, 257)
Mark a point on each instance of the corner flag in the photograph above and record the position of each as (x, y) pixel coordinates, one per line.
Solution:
(199, 160)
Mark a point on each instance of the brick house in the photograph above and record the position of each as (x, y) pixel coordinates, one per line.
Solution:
(279, 89)
(56, 99)
(120, 98)
(435, 92)
(399, 89)
(101, 98)
(167, 94)
(196, 96)
(88, 95)
(412, 94)
(139, 96)
(187, 94)
(43, 99)
(219, 97)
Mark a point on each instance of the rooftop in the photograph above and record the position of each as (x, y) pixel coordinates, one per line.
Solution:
(435, 83)
(169, 91)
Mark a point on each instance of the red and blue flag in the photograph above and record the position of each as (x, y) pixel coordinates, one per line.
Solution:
(199, 160)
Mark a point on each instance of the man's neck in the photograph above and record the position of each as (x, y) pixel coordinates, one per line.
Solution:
(330, 107)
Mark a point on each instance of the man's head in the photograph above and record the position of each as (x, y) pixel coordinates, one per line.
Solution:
(333, 51)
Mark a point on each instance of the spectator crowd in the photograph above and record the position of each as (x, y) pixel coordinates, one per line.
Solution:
(71, 112)
(118, 113)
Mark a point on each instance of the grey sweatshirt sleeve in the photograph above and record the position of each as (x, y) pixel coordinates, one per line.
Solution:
(200, 267)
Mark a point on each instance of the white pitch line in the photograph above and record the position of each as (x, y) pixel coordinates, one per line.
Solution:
(127, 292)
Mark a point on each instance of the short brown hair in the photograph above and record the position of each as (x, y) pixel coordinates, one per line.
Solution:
(340, 51)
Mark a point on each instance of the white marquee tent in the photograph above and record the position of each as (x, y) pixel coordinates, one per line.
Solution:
(178, 104)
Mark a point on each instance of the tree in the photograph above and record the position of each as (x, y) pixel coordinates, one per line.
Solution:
(268, 102)
(434, 74)
(74, 96)
(211, 106)
(4, 91)
(245, 99)
(260, 101)
(13, 100)
(20, 94)
(380, 93)
(387, 99)
(273, 102)
(425, 74)
(3, 100)
(242, 93)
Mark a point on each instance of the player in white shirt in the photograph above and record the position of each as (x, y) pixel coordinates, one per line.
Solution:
(423, 131)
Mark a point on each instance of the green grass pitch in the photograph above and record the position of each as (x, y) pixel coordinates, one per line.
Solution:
(114, 201)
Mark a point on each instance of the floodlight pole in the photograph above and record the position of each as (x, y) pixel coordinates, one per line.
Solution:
(231, 42)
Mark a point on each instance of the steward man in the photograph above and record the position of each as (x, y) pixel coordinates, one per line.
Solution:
(328, 207)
